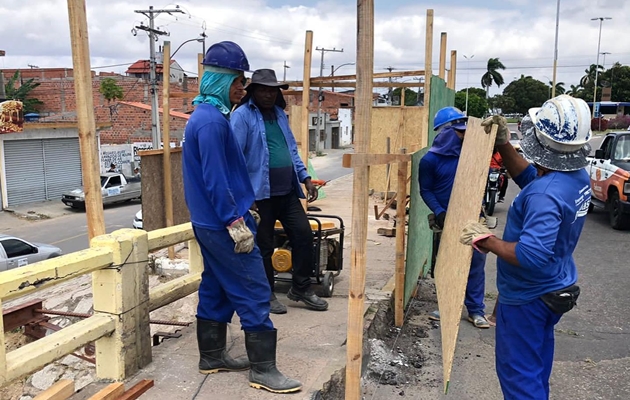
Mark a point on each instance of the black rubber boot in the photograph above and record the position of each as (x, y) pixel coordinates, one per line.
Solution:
(211, 338)
(261, 350)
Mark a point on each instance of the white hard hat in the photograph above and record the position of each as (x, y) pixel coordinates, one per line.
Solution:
(559, 137)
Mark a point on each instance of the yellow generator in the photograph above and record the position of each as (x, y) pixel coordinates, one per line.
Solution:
(328, 232)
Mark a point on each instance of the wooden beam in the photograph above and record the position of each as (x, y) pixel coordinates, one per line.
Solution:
(61, 390)
(3, 350)
(354, 84)
(453, 260)
(306, 99)
(365, 160)
(173, 290)
(363, 119)
(166, 140)
(161, 238)
(183, 95)
(443, 55)
(109, 392)
(200, 71)
(62, 125)
(137, 390)
(375, 75)
(401, 208)
(90, 160)
(428, 59)
(452, 73)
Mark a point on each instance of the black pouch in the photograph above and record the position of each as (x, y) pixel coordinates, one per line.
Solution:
(563, 300)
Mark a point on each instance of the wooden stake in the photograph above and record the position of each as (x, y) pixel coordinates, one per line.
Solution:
(166, 140)
(443, 55)
(85, 116)
(363, 118)
(428, 58)
(110, 392)
(61, 390)
(399, 302)
(453, 71)
(199, 70)
(137, 390)
(306, 98)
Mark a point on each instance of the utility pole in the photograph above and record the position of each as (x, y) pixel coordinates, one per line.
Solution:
(555, 52)
(284, 75)
(3, 95)
(599, 41)
(152, 13)
(390, 92)
(320, 96)
(467, 75)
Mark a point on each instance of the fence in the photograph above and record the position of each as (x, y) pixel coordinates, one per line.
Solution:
(122, 301)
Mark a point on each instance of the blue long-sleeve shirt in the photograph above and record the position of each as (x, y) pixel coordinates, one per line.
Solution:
(249, 129)
(216, 184)
(546, 220)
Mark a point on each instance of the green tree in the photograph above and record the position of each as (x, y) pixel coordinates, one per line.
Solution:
(492, 74)
(574, 91)
(477, 105)
(110, 90)
(411, 96)
(559, 87)
(501, 102)
(525, 92)
(23, 92)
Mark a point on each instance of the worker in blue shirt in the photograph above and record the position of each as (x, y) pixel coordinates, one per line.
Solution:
(276, 172)
(219, 195)
(536, 273)
(436, 177)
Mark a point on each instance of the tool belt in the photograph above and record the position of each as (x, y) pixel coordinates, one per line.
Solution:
(563, 300)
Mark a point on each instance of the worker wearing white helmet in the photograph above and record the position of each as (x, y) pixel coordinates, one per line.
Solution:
(536, 273)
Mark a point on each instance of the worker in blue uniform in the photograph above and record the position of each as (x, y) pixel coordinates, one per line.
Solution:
(436, 177)
(219, 194)
(277, 172)
(536, 273)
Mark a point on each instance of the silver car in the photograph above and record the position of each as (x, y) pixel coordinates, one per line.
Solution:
(16, 252)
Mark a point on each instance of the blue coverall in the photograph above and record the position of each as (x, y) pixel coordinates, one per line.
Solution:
(218, 192)
(436, 177)
(545, 220)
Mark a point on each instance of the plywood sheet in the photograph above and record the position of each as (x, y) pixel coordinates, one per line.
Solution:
(453, 260)
(406, 127)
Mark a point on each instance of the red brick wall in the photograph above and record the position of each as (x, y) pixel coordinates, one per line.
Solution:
(333, 101)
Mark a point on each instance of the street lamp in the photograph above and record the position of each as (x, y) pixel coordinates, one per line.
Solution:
(467, 75)
(601, 21)
(333, 69)
(603, 53)
(200, 40)
(284, 74)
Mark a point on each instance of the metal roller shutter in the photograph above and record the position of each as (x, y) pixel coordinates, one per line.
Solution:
(62, 161)
(24, 166)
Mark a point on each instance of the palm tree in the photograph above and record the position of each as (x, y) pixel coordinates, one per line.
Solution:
(574, 91)
(559, 87)
(590, 74)
(492, 74)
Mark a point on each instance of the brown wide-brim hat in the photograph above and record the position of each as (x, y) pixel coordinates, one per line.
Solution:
(266, 77)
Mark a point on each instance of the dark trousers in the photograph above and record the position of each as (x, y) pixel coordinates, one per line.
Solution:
(289, 211)
(503, 188)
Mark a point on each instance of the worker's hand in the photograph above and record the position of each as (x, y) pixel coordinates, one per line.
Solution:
(256, 216)
(473, 232)
(503, 132)
(312, 192)
(439, 219)
(242, 236)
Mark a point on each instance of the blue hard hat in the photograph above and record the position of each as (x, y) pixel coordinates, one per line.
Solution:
(452, 115)
(226, 55)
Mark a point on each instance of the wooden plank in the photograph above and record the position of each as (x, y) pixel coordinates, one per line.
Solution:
(364, 160)
(44, 274)
(158, 152)
(306, 100)
(389, 232)
(61, 125)
(137, 390)
(90, 161)
(354, 84)
(166, 140)
(161, 238)
(453, 260)
(173, 290)
(110, 392)
(183, 95)
(3, 351)
(428, 59)
(61, 390)
(200, 71)
(35, 355)
(442, 73)
(399, 306)
(452, 73)
(363, 118)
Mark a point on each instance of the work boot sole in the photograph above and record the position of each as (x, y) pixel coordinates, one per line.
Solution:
(259, 386)
(221, 369)
(292, 296)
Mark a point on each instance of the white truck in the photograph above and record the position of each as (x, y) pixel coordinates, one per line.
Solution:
(115, 188)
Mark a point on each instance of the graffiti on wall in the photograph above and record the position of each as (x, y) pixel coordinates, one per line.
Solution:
(117, 154)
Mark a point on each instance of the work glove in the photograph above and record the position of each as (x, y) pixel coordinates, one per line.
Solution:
(503, 132)
(242, 236)
(472, 233)
(439, 219)
(256, 216)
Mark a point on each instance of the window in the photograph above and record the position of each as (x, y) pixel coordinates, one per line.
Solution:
(622, 150)
(607, 146)
(17, 248)
(114, 181)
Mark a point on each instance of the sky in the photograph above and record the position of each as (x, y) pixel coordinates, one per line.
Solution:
(518, 32)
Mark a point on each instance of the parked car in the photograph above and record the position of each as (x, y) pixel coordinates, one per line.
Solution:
(16, 252)
(137, 220)
(115, 188)
(609, 170)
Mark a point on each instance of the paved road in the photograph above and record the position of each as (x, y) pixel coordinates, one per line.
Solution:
(329, 167)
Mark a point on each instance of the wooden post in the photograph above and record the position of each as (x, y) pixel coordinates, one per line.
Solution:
(306, 99)
(443, 55)
(363, 118)
(85, 115)
(199, 69)
(166, 140)
(428, 54)
(195, 259)
(123, 291)
(3, 350)
(453, 71)
(399, 301)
